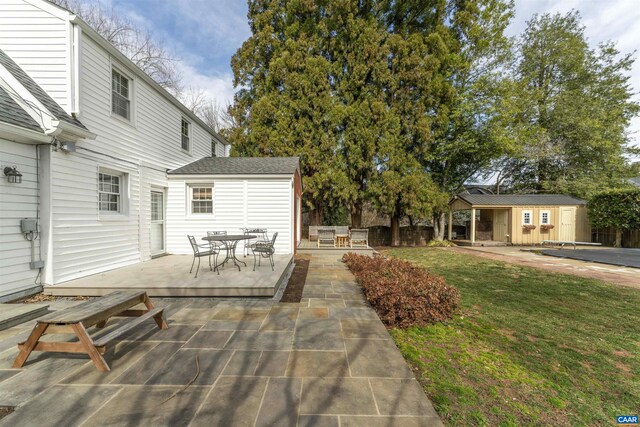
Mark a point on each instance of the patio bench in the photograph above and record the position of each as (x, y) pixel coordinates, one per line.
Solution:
(76, 320)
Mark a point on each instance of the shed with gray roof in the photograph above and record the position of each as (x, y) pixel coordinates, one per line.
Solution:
(522, 219)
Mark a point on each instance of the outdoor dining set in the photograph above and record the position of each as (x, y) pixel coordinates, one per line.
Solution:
(255, 240)
(338, 236)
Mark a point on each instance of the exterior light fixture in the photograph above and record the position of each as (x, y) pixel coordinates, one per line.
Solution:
(12, 174)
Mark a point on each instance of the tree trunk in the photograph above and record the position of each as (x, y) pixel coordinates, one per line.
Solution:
(315, 216)
(438, 226)
(395, 230)
(618, 243)
(356, 215)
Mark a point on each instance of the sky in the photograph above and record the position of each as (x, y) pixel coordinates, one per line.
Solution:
(204, 34)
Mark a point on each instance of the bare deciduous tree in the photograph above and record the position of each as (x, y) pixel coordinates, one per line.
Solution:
(133, 40)
(138, 44)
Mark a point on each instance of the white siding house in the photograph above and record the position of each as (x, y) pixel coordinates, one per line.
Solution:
(108, 134)
(245, 193)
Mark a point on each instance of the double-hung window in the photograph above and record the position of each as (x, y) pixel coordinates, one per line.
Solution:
(185, 135)
(527, 217)
(201, 199)
(545, 217)
(214, 145)
(120, 95)
(110, 188)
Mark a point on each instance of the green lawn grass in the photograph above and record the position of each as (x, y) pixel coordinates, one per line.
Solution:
(527, 347)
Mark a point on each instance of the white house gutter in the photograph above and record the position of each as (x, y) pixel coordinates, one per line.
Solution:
(203, 177)
(69, 130)
(26, 136)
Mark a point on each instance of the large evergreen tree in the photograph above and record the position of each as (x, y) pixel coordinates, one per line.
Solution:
(285, 103)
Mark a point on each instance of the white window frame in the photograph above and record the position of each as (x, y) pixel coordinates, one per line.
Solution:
(548, 212)
(130, 89)
(214, 147)
(123, 194)
(187, 135)
(190, 200)
(524, 212)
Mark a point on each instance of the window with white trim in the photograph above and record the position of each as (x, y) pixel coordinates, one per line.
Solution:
(201, 199)
(214, 145)
(527, 217)
(185, 125)
(110, 190)
(120, 94)
(545, 217)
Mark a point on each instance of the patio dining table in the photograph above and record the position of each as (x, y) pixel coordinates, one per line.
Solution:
(230, 242)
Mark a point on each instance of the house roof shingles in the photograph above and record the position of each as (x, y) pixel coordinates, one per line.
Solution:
(521, 199)
(240, 166)
(39, 93)
(14, 114)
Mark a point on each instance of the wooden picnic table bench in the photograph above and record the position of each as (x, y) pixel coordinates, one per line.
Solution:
(76, 320)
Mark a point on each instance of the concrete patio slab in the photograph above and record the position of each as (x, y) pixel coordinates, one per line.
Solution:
(61, 405)
(145, 405)
(183, 366)
(321, 362)
(318, 364)
(233, 401)
(337, 396)
(169, 276)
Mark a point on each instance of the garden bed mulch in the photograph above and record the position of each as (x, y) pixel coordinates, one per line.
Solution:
(295, 285)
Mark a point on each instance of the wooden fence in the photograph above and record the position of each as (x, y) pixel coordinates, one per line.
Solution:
(630, 238)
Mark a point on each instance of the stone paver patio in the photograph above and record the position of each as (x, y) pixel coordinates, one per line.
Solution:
(327, 361)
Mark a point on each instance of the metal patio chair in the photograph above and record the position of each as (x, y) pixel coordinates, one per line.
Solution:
(263, 237)
(200, 251)
(264, 250)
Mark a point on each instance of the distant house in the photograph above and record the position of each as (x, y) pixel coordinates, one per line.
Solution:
(523, 219)
(93, 138)
(635, 181)
(478, 189)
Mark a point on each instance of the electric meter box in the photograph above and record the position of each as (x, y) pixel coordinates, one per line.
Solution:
(28, 225)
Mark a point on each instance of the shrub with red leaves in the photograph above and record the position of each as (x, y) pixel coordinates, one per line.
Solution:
(403, 294)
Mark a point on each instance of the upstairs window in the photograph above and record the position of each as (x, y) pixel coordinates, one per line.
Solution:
(185, 135)
(201, 200)
(120, 95)
(213, 147)
(527, 218)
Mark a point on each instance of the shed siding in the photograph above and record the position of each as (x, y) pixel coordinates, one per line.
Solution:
(237, 203)
(18, 201)
(40, 43)
(522, 237)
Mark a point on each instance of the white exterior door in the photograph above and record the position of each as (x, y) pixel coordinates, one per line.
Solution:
(567, 225)
(157, 223)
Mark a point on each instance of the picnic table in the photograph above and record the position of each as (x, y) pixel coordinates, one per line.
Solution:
(76, 320)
